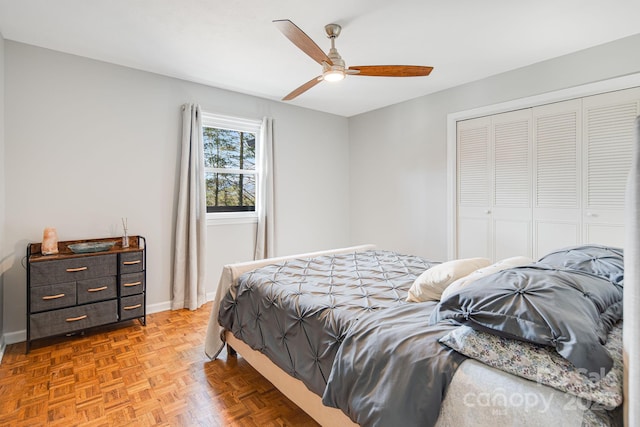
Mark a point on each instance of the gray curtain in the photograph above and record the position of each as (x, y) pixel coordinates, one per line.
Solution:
(191, 223)
(265, 209)
(631, 336)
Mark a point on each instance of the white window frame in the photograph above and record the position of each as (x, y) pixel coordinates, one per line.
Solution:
(241, 125)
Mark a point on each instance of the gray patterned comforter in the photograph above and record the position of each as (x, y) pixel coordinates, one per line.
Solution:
(391, 370)
(300, 311)
(341, 325)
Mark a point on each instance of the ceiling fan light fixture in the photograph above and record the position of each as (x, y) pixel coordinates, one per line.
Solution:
(333, 67)
(333, 75)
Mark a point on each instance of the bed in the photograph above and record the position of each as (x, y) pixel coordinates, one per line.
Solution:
(363, 336)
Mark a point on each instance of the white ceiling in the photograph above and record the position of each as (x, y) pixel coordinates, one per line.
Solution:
(232, 44)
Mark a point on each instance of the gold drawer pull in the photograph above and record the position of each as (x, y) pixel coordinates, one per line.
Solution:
(73, 270)
(132, 307)
(75, 319)
(97, 289)
(128, 285)
(48, 297)
(131, 262)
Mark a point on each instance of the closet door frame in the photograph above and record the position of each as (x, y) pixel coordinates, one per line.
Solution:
(596, 88)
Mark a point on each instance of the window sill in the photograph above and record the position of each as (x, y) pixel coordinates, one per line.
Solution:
(227, 218)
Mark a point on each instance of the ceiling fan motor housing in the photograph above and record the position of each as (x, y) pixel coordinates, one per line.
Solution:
(333, 30)
(336, 59)
(336, 71)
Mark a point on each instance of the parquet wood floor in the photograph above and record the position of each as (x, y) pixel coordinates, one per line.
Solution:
(133, 375)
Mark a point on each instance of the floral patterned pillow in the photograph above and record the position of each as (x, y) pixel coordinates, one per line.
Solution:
(543, 365)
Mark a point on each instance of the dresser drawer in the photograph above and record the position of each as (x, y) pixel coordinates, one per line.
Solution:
(73, 319)
(67, 270)
(53, 296)
(131, 262)
(100, 289)
(131, 284)
(132, 307)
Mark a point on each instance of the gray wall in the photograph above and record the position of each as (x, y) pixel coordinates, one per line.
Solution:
(2, 191)
(89, 142)
(398, 154)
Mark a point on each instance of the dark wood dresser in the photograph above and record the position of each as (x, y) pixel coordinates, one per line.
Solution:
(69, 292)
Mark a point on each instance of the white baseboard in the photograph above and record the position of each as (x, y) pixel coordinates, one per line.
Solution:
(158, 307)
(14, 337)
(166, 306)
(20, 336)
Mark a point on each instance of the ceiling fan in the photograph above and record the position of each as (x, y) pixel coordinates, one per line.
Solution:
(333, 68)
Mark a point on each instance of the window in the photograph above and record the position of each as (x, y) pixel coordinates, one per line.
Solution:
(230, 159)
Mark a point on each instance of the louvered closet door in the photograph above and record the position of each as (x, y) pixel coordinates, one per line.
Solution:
(608, 140)
(557, 176)
(474, 224)
(511, 158)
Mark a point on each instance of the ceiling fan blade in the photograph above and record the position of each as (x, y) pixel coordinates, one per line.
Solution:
(302, 89)
(391, 70)
(303, 41)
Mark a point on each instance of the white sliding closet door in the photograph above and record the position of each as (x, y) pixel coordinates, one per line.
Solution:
(535, 180)
(557, 176)
(511, 210)
(474, 223)
(609, 121)
(494, 186)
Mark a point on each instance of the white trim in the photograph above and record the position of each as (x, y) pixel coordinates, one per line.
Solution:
(14, 337)
(158, 307)
(226, 218)
(231, 171)
(3, 346)
(610, 85)
(241, 125)
(452, 207)
(231, 123)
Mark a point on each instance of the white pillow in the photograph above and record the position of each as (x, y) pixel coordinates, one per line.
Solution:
(515, 261)
(430, 284)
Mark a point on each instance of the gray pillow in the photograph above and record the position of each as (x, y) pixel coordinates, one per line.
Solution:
(569, 310)
(603, 261)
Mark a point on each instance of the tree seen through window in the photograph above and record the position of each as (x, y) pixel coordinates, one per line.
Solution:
(230, 170)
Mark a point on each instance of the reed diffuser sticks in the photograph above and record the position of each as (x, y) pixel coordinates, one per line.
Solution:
(125, 236)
